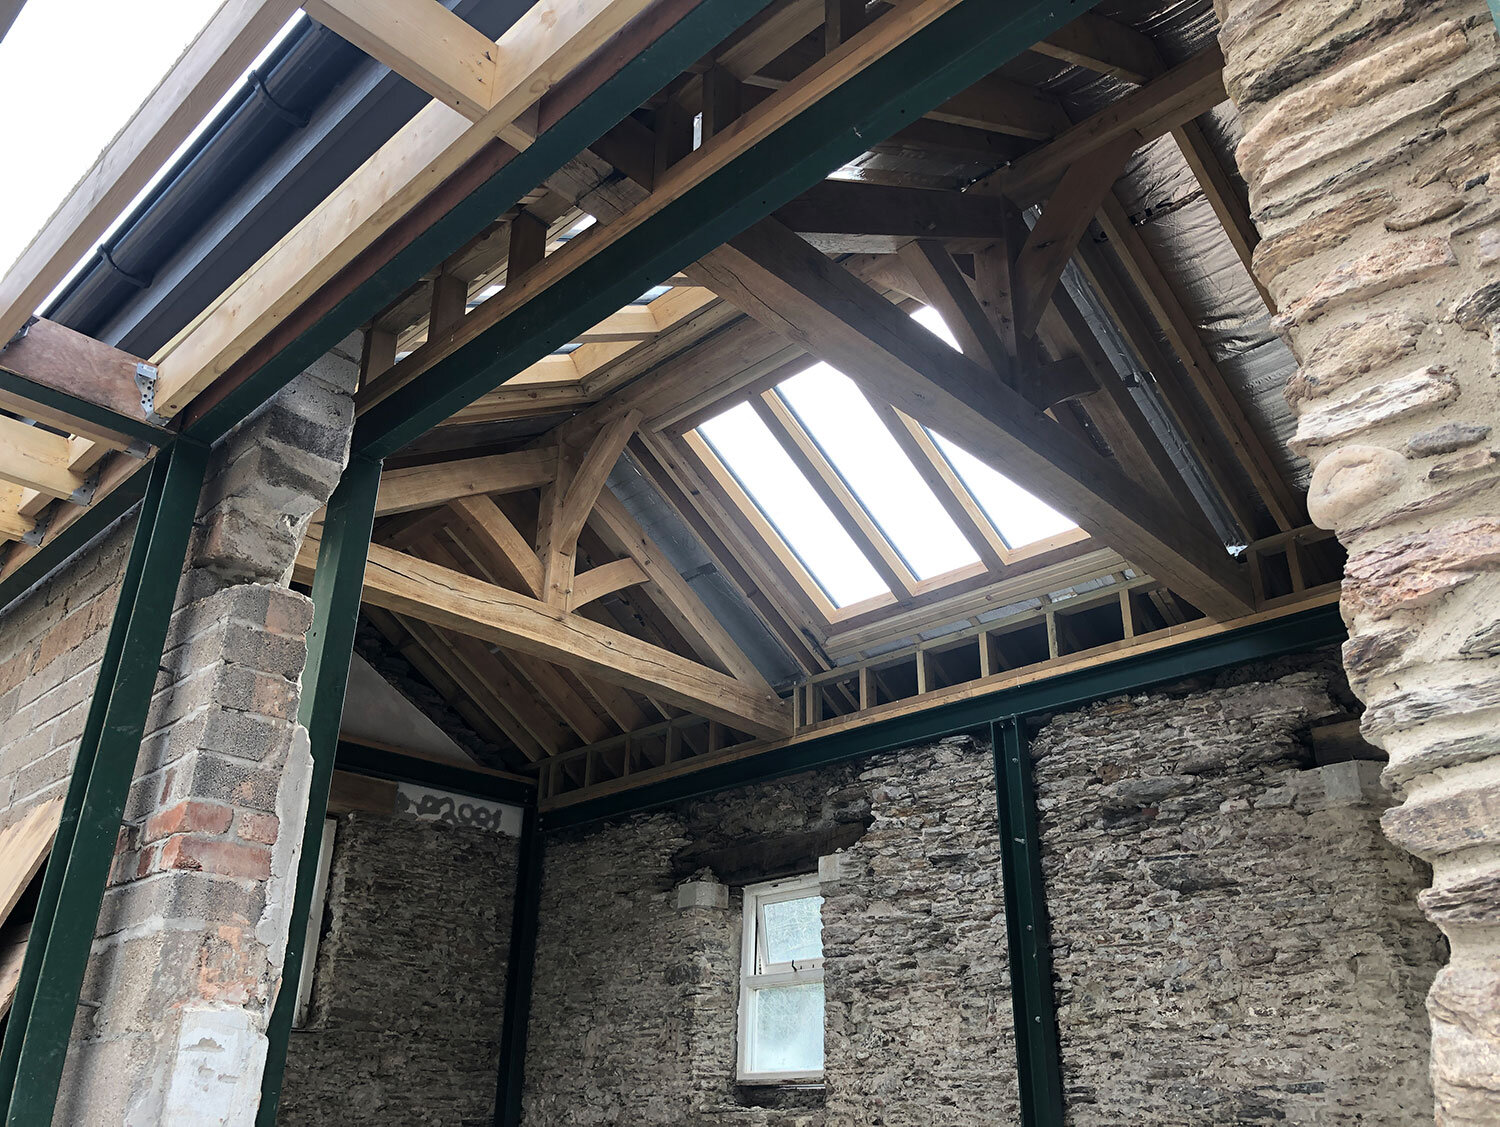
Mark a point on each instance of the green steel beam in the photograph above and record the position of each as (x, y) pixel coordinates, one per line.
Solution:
(377, 763)
(1321, 626)
(336, 591)
(525, 917)
(944, 58)
(37, 1035)
(85, 409)
(1028, 932)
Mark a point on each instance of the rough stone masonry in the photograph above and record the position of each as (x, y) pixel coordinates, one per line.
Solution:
(187, 959)
(1372, 152)
(1234, 940)
(404, 1022)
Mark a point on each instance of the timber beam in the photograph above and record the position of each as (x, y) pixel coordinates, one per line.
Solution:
(838, 216)
(778, 279)
(65, 379)
(451, 600)
(419, 487)
(1154, 110)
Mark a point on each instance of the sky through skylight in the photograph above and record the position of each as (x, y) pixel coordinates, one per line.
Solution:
(857, 444)
(748, 449)
(854, 440)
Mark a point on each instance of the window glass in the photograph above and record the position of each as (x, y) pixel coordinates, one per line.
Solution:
(1019, 517)
(781, 982)
(793, 929)
(766, 472)
(787, 1029)
(860, 448)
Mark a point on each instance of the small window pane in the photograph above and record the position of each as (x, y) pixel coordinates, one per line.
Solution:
(787, 1030)
(767, 474)
(860, 448)
(1018, 516)
(793, 929)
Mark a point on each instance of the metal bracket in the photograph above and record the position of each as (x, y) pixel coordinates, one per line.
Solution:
(84, 494)
(38, 531)
(20, 333)
(145, 380)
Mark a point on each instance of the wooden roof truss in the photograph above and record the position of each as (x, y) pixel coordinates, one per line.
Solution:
(511, 576)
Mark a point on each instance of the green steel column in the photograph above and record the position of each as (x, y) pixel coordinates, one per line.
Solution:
(83, 764)
(1027, 931)
(36, 1038)
(330, 643)
(524, 919)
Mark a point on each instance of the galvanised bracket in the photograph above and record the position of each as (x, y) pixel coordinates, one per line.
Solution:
(145, 382)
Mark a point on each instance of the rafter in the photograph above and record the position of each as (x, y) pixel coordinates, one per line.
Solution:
(1065, 217)
(451, 600)
(1105, 46)
(423, 42)
(37, 459)
(783, 282)
(1179, 95)
(1285, 506)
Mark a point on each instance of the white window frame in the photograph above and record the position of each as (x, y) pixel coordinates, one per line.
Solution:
(314, 924)
(756, 972)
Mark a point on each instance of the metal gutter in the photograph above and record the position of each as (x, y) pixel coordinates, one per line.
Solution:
(317, 110)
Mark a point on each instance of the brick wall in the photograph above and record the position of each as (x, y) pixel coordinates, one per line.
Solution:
(1234, 940)
(409, 989)
(51, 642)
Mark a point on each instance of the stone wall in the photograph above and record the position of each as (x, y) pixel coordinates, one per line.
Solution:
(409, 988)
(1234, 940)
(1372, 153)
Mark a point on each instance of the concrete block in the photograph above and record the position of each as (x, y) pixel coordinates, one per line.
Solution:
(1355, 782)
(702, 894)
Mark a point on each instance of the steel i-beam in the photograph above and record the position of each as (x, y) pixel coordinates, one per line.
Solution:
(1028, 934)
(62, 934)
(337, 586)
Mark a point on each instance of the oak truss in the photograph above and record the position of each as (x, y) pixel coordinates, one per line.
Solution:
(516, 582)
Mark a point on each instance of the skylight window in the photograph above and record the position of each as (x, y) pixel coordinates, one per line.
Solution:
(766, 472)
(858, 445)
(1018, 516)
